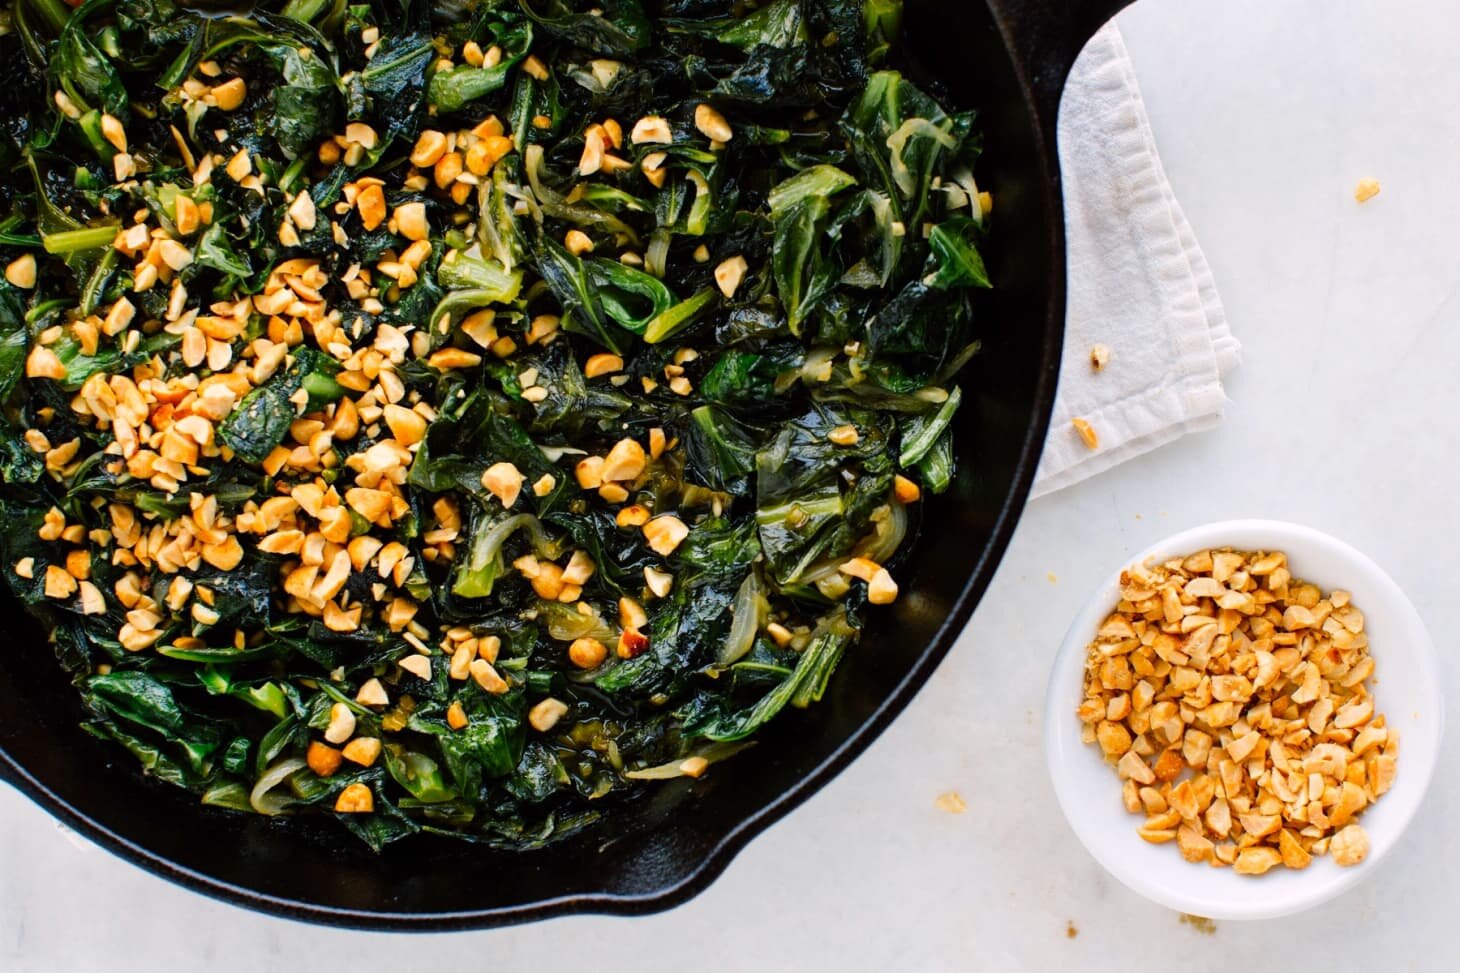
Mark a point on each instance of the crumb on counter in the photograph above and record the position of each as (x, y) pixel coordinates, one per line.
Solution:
(1201, 924)
(1367, 189)
(952, 802)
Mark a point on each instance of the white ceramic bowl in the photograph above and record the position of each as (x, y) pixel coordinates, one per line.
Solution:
(1406, 691)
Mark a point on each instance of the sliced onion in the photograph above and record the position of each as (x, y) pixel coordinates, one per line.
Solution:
(555, 453)
(817, 367)
(897, 141)
(261, 800)
(963, 179)
(565, 623)
(675, 768)
(533, 157)
(491, 544)
(886, 537)
(748, 610)
(888, 532)
(656, 257)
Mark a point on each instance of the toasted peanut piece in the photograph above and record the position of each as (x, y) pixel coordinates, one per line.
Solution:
(1156, 836)
(653, 130)
(665, 533)
(636, 515)
(905, 490)
(363, 751)
(1086, 432)
(578, 243)
(602, 364)
(323, 760)
(355, 799)
(1293, 853)
(342, 724)
(624, 462)
(21, 272)
(1168, 766)
(362, 135)
(712, 125)
(372, 693)
(504, 481)
(1132, 767)
(587, 653)
(486, 676)
(417, 665)
(1257, 860)
(593, 152)
(371, 206)
(546, 713)
(1193, 845)
(113, 132)
(580, 568)
(658, 582)
(230, 94)
(430, 147)
(448, 358)
(729, 274)
(43, 363)
(631, 643)
(882, 589)
(1350, 846)
(1114, 739)
(411, 222)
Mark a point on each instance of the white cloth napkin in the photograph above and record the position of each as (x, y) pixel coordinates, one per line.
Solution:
(1138, 284)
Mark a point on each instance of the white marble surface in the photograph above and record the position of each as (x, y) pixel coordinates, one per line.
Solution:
(1343, 416)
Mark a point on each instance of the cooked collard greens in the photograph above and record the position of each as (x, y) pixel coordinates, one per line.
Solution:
(447, 417)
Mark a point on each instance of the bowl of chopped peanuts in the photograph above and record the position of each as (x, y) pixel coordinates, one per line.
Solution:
(1244, 719)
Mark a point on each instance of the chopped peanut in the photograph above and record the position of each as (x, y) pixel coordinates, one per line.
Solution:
(712, 124)
(729, 274)
(363, 750)
(323, 760)
(1086, 432)
(602, 364)
(665, 533)
(587, 653)
(342, 724)
(503, 481)
(21, 271)
(545, 714)
(355, 799)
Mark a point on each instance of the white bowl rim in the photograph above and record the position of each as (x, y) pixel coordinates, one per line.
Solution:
(1062, 734)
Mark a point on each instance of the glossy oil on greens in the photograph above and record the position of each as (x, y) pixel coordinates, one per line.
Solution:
(567, 297)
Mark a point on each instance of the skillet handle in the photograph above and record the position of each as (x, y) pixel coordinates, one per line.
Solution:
(1045, 37)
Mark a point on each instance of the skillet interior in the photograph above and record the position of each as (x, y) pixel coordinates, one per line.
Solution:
(660, 850)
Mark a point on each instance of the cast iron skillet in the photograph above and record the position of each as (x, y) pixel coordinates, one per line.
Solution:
(1009, 59)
